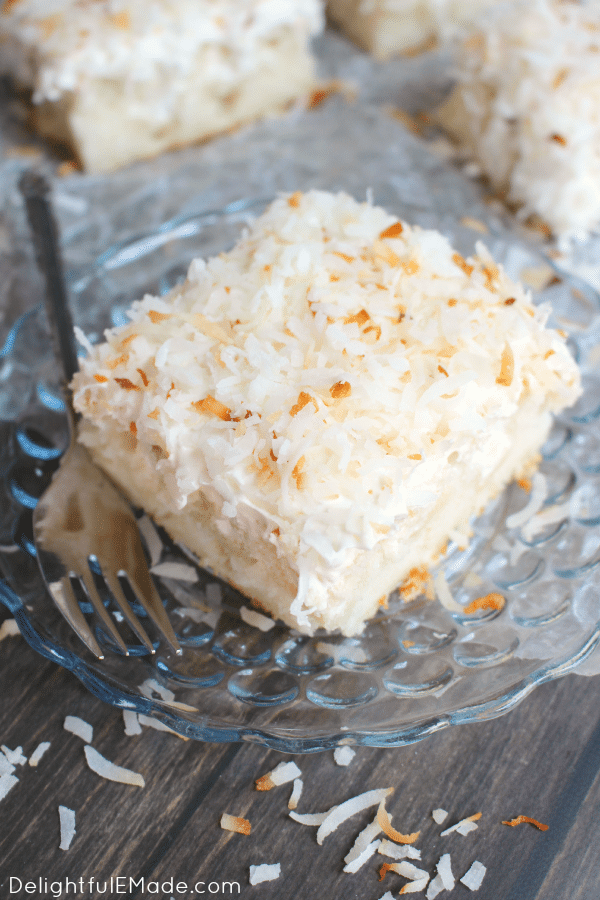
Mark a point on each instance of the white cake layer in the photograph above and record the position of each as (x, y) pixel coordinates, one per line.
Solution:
(527, 107)
(122, 80)
(389, 27)
(315, 411)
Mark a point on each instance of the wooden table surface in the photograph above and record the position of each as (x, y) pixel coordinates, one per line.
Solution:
(542, 759)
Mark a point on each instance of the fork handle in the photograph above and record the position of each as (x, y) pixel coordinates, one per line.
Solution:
(35, 190)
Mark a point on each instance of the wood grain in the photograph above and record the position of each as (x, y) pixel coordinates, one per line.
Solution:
(542, 759)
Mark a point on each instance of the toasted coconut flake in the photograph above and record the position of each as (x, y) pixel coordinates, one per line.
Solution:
(127, 385)
(296, 793)
(9, 628)
(38, 753)
(415, 887)
(303, 399)
(490, 601)
(398, 851)
(79, 727)
(474, 876)
(392, 231)
(156, 317)
(461, 262)
(349, 808)
(106, 769)
(385, 824)
(507, 367)
(7, 782)
(464, 826)
(419, 580)
(256, 619)
(235, 823)
(340, 389)
(101, 379)
(520, 820)
(131, 722)
(281, 774)
(67, 826)
(212, 407)
(404, 868)
(264, 872)
(343, 756)
(439, 815)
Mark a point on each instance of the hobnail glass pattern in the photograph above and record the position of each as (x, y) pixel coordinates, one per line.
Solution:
(417, 667)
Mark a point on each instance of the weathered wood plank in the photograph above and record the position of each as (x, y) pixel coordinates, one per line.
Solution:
(515, 764)
(542, 760)
(119, 827)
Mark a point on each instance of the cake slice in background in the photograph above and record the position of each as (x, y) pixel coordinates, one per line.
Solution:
(390, 27)
(120, 80)
(526, 107)
(314, 412)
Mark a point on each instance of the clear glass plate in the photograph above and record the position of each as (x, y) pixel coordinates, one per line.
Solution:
(418, 667)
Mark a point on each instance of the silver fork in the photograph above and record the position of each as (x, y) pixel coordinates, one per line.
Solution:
(84, 529)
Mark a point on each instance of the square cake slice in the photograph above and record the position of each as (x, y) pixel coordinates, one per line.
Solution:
(387, 28)
(120, 80)
(315, 411)
(526, 108)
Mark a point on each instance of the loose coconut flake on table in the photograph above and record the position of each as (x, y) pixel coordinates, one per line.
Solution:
(444, 880)
(439, 815)
(398, 851)
(474, 876)
(67, 826)
(349, 808)
(9, 628)
(131, 723)
(362, 848)
(109, 770)
(296, 793)
(281, 774)
(38, 753)
(15, 757)
(386, 826)
(464, 826)
(343, 756)
(79, 727)
(264, 872)
(520, 820)
(7, 782)
(235, 823)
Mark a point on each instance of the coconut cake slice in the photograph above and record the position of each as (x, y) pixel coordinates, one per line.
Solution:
(315, 411)
(121, 80)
